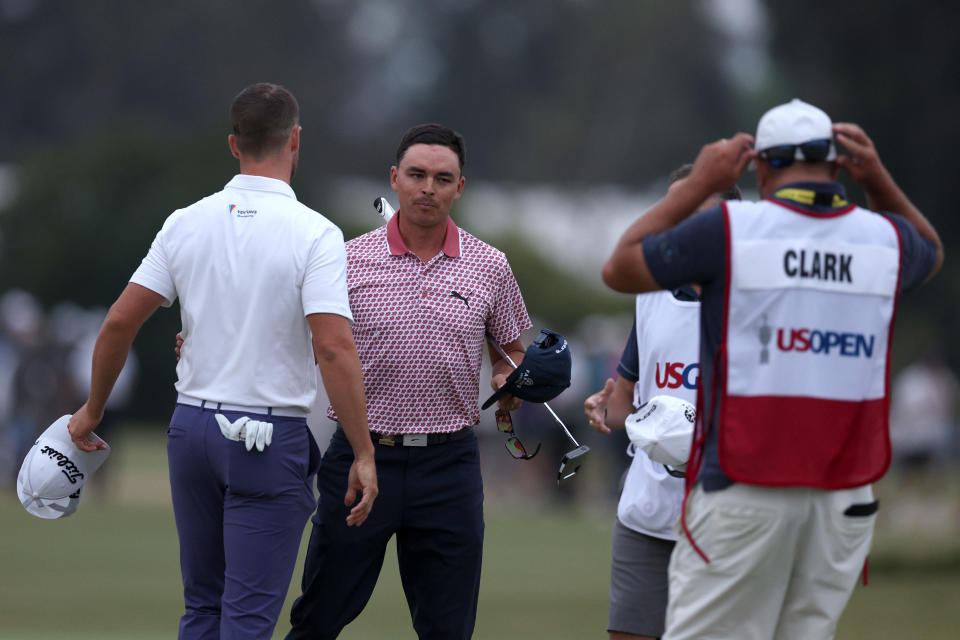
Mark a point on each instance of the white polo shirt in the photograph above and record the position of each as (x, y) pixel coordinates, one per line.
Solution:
(248, 264)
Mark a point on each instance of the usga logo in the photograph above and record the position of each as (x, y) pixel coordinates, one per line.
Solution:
(241, 213)
(822, 341)
(676, 374)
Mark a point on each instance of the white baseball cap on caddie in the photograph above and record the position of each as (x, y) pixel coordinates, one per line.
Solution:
(794, 123)
(663, 428)
(54, 471)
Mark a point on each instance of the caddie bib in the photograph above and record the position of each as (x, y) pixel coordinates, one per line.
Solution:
(668, 348)
(809, 306)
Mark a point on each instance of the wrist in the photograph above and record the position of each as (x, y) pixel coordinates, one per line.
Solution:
(363, 457)
(365, 452)
(878, 182)
(94, 410)
(696, 189)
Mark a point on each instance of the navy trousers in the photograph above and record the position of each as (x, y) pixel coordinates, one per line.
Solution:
(240, 515)
(432, 499)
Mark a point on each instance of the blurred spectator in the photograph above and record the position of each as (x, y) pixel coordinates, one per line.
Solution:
(40, 390)
(922, 416)
(44, 369)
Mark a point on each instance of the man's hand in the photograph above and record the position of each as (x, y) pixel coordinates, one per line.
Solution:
(508, 402)
(81, 425)
(883, 194)
(255, 433)
(595, 407)
(863, 164)
(719, 164)
(178, 346)
(363, 478)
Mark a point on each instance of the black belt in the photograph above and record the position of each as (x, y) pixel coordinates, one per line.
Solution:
(419, 439)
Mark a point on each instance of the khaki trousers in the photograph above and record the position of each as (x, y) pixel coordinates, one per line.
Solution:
(783, 562)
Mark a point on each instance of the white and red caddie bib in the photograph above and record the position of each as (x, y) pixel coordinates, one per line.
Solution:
(810, 303)
(668, 349)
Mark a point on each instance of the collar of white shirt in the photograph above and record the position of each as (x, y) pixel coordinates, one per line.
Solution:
(261, 183)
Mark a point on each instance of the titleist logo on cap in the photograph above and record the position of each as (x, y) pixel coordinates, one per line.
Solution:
(68, 468)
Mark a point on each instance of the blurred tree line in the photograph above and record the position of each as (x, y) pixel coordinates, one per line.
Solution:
(113, 114)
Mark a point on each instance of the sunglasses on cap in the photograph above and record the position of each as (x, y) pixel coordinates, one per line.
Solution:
(785, 155)
(514, 447)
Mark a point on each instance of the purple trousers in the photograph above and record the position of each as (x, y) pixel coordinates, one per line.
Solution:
(240, 515)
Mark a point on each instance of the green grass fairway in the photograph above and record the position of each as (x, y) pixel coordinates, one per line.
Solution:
(111, 572)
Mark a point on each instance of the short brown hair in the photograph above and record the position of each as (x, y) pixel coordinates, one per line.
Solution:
(262, 117)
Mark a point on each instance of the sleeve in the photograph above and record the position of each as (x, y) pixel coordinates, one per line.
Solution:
(154, 271)
(508, 314)
(693, 252)
(917, 254)
(325, 276)
(629, 365)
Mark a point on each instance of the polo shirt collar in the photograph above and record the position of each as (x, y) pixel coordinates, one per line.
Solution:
(261, 183)
(451, 241)
(819, 197)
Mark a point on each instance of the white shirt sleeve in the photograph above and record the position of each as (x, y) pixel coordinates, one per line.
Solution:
(154, 272)
(325, 277)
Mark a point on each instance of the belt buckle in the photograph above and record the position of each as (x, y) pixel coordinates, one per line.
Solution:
(414, 439)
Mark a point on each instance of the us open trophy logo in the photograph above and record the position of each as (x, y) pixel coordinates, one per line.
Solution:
(765, 334)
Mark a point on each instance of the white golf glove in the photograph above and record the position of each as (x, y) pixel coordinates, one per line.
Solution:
(254, 432)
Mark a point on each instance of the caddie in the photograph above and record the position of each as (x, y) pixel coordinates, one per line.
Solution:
(659, 363)
(261, 280)
(798, 301)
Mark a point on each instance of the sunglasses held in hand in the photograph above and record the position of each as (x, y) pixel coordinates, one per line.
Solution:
(513, 444)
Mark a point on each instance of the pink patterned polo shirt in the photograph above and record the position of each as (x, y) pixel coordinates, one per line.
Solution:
(419, 327)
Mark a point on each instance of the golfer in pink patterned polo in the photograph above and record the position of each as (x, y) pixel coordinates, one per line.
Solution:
(423, 293)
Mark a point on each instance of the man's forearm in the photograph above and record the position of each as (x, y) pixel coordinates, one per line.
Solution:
(343, 381)
(626, 269)
(120, 327)
(718, 167)
(501, 366)
(109, 355)
(336, 355)
(620, 404)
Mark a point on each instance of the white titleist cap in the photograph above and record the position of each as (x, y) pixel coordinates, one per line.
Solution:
(794, 123)
(54, 471)
(663, 428)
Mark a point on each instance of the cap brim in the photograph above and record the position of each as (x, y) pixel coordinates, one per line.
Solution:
(64, 499)
(499, 393)
(48, 509)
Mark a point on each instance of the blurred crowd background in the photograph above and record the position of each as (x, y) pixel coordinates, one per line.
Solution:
(113, 114)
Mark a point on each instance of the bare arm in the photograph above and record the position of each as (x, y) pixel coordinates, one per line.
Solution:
(120, 327)
(336, 355)
(501, 369)
(883, 194)
(608, 408)
(717, 167)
